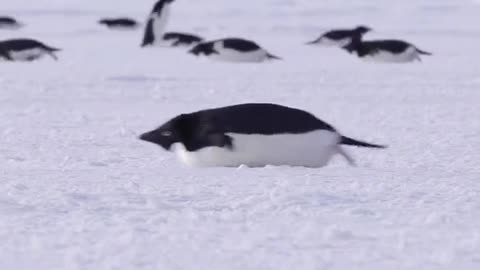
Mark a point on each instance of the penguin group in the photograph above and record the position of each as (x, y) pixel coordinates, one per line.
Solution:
(251, 134)
(388, 50)
(227, 49)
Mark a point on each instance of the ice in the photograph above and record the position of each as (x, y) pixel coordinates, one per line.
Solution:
(78, 190)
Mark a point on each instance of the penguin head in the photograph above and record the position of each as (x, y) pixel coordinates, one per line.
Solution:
(203, 48)
(157, 8)
(166, 135)
(362, 29)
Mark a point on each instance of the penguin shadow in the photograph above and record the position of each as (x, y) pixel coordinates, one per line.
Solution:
(136, 79)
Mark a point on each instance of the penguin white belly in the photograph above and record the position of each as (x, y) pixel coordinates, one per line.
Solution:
(160, 22)
(409, 55)
(27, 55)
(327, 42)
(229, 55)
(312, 149)
(164, 43)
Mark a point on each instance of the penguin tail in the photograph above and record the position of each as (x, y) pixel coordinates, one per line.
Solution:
(352, 142)
(423, 52)
(274, 57)
(53, 49)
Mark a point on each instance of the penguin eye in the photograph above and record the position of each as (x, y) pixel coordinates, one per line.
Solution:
(166, 133)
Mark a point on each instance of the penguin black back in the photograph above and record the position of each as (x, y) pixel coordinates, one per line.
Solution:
(344, 33)
(258, 118)
(239, 44)
(157, 8)
(25, 44)
(126, 22)
(7, 20)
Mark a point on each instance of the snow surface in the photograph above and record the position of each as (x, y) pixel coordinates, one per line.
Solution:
(78, 190)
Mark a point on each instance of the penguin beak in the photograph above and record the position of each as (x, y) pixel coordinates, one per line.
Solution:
(148, 137)
(155, 137)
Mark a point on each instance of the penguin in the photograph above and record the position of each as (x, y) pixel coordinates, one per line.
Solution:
(340, 37)
(388, 51)
(9, 23)
(175, 39)
(233, 50)
(252, 134)
(119, 23)
(25, 50)
(156, 22)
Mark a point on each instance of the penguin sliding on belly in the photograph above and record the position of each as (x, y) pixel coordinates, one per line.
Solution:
(155, 34)
(389, 51)
(9, 23)
(174, 39)
(233, 50)
(254, 135)
(25, 50)
(340, 37)
(119, 23)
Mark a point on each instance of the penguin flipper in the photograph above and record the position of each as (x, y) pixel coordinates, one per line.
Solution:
(221, 140)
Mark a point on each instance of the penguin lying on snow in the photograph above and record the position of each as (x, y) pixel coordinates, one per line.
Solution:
(173, 39)
(253, 135)
(25, 50)
(340, 37)
(119, 23)
(393, 51)
(156, 22)
(233, 50)
(9, 23)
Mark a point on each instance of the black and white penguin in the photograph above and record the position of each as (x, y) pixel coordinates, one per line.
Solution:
(25, 50)
(233, 50)
(119, 23)
(340, 37)
(391, 51)
(9, 23)
(156, 23)
(254, 135)
(175, 39)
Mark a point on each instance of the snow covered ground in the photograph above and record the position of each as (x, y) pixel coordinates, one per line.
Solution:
(78, 190)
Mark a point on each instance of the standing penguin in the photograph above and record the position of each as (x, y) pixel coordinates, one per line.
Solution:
(9, 23)
(340, 37)
(25, 50)
(252, 134)
(233, 50)
(391, 51)
(157, 22)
